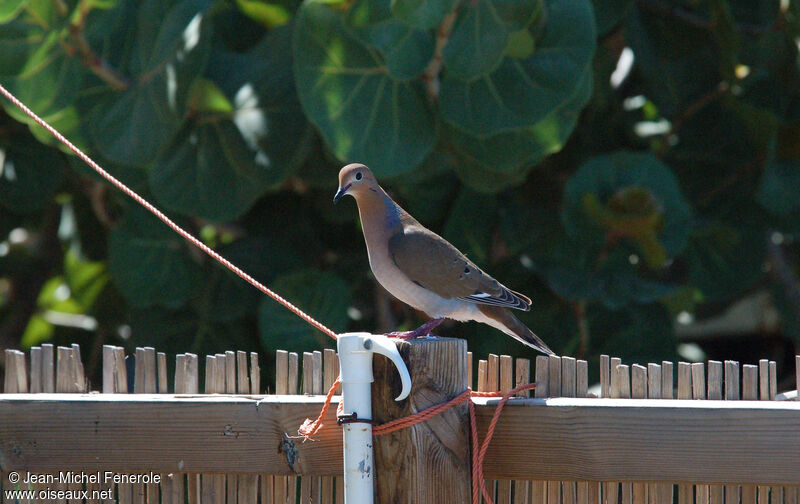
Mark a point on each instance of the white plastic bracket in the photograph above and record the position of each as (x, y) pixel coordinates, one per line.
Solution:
(355, 362)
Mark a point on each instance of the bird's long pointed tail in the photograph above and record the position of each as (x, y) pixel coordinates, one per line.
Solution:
(508, 323)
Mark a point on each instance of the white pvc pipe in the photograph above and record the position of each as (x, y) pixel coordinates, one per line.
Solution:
(355, 361)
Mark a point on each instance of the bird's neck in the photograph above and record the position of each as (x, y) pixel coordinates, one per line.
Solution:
(381, 218)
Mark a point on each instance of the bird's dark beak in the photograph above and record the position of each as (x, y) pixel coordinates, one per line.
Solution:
(341, 192)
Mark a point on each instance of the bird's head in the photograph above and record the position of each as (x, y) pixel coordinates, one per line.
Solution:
(355, 179)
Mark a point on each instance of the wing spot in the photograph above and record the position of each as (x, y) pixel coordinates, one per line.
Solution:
(466, 270)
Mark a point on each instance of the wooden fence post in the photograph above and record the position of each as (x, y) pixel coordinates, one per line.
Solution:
(428, 462)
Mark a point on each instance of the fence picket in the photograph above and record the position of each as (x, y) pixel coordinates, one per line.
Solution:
(539, 488)
(749, 393)
(329, 373)
(685, 492)
(610, 490)
(699, 392)
(554, 390)
(585, 490)
(639, 391)
(732, 393)
(522, 375)
(281, 483)
(624, 391)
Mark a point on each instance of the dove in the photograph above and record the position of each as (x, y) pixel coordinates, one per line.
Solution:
(423, 270)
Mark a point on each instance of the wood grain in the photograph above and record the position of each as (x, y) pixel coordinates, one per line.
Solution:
(645, 440)
(163, 433)
(428, 462)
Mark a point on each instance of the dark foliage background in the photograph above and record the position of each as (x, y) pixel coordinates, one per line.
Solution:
(625, 163)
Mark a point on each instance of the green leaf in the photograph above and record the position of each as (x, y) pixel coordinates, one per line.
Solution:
(405, 49)
(575, 272)
(132, 128)
(677, 60)
(167, 328)
(637, 334)
(609, 13)
(499, 161)
(148, 263)
(30, 174)
(205, 96)
(726, 258)
(628, 195)
(471, 225)
(771, 61)
(228, 297)
(521, 44)
(184, 330)
(18, 40)
(779, 190)
(209, 171)
(171, 48)
(37, 331)
(85, 279)
(323, 295)
(428, 191)
(726, 36)
(44, 78)
(422, 13)
(9, 9)
(270, 15)
(102, 4)
(722, 142)
(267, 111)
(480, 178)
(482, 34)
(47, 14)
(521, 92)
(219, 165)
(361, 111)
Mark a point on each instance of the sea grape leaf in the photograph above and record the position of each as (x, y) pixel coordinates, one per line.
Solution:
(521, 92)
(362, 112)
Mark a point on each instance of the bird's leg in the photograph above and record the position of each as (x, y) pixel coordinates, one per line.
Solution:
(422, 330)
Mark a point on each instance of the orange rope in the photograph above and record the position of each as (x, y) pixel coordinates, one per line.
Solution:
(477, 466)
(402, 423)
(166, 220)
(310, 428)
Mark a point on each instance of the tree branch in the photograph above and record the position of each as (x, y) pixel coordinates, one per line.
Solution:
(78, 45)
(431, 74)
(92, 61)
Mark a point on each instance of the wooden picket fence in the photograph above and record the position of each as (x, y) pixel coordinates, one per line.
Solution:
(45, 433)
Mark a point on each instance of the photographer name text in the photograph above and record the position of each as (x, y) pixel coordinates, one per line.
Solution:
(98, 477)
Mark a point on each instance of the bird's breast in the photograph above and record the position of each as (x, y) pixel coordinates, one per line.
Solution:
(403, 288)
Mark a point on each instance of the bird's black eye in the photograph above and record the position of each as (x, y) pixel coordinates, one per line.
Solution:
(359, 176)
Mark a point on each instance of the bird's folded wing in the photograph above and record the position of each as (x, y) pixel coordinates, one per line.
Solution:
(433, 263)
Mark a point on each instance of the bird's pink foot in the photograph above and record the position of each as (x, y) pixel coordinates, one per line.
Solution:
(422, 330)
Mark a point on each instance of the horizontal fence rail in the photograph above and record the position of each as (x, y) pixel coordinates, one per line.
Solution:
(559, 438)
(691, 433)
